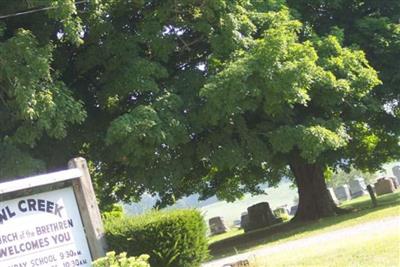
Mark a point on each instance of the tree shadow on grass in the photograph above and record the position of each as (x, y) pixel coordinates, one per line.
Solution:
(240, 243)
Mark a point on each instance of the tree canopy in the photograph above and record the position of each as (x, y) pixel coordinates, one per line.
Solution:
(215, 97)
(373, 27)
(35, 102)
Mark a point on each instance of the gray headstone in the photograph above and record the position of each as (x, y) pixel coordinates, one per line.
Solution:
(357, 187)
(384, 186)
(240, 263)
(333, 196)
(396, 172)
(244, 221)
(343, 192)
(217, 225)
(293, 210)
(260, 215)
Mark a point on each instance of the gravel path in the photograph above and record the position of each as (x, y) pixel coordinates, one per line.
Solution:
(369, 228)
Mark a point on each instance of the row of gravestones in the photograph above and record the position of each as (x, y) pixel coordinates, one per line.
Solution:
(257, 216)
(357, 187)
(260, 215)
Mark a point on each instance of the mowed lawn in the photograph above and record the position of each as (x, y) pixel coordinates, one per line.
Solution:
(364, 250)
(381, 249)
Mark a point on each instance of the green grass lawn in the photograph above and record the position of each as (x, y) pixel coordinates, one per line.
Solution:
(382, 250)
(232, 232)
(388, 206)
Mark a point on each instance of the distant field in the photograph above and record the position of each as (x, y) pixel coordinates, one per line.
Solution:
(282, 195)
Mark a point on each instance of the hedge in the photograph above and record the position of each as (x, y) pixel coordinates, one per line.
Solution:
(171, 238)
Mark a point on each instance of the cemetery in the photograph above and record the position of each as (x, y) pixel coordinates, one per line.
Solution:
(239, 239)
(258, 222)
(288, 233)
(211, 133)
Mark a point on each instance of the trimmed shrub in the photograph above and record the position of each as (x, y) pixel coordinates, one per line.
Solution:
(171, 238)
(113, 260)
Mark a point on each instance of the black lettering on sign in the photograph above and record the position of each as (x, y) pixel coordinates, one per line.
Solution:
(24, 247)
(42, 205)
(49, 207)
(31, 204)
(22, 264)
(61, 238)
(43, 261)
(6, 214)
(6, 238)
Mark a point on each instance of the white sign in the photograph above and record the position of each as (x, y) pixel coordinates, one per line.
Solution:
(43, 230)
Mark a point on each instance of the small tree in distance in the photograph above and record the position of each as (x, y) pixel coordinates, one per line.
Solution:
(341, 177)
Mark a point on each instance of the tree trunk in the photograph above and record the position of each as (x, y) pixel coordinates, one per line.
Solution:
(314, 199)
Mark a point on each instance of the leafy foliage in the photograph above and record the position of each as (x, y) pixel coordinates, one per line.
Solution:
(172, 238)
(250, 104)
(372, 26)
(35, 102)
(120, 260)
(290, 95)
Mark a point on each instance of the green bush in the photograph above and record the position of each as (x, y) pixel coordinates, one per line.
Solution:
(171, 238)
(284, 217)
(282, 214)
(116, 211)
(113, 260)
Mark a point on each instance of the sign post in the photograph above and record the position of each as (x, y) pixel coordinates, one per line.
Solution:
(51, 220)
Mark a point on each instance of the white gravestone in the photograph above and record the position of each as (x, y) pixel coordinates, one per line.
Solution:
(357, 187)
(333, 196)
(342, 192)
(396, 172)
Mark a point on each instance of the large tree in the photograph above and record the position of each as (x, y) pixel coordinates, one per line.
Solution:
(212, 97)
(286, 102)
(217, 97)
